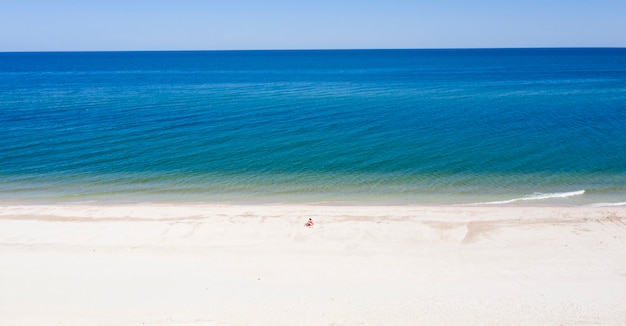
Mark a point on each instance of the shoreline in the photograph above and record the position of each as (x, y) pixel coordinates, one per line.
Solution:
(561, 198)
(209, 264)
(7, 206)
(526, 201)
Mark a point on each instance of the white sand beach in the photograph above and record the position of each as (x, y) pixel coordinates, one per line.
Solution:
(207, 264)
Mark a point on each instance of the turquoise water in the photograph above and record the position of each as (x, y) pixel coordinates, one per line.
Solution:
(373, 126)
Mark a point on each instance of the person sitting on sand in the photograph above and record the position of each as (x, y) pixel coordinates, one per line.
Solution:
(309, 223)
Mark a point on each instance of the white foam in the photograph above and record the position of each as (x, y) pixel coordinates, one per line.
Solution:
(608, 204)
(536, 196)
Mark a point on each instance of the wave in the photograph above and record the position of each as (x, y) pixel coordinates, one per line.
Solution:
(608, 204)
(536, 196)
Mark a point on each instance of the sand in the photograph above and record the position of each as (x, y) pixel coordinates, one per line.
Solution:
(207, 264)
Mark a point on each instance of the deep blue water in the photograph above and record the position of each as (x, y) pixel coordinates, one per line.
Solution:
(364, 126)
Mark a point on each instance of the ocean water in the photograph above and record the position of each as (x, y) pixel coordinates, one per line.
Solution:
(494, 126)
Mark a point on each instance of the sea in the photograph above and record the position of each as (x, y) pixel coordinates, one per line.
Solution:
(337, 127)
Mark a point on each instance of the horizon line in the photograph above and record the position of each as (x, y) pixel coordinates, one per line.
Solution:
(321, 49)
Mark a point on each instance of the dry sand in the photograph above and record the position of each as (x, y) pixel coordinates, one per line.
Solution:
(201, 264)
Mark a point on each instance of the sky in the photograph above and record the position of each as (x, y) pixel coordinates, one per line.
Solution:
(121, 25)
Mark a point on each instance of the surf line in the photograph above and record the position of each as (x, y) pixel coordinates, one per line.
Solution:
(608, 204)
(535, 196)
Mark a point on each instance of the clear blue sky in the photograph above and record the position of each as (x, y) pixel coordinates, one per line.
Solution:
(76, 25)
